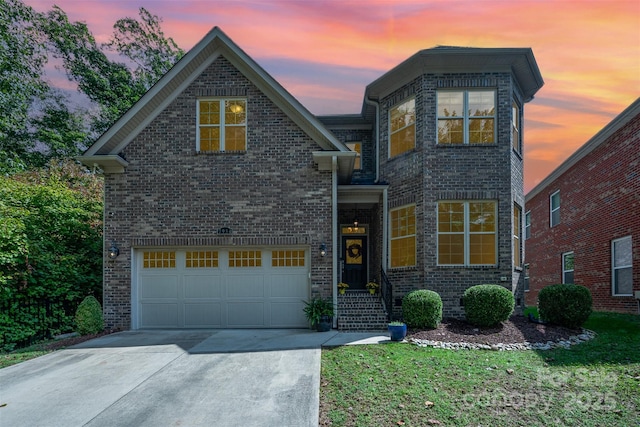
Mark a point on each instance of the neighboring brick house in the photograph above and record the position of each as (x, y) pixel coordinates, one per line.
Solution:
(583, 220)
(229, 203)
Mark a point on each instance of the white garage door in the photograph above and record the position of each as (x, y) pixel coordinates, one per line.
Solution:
(221, 288)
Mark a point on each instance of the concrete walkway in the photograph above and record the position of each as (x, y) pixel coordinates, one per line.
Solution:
(174, 378)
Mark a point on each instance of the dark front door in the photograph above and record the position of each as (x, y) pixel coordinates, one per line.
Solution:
(354, 254)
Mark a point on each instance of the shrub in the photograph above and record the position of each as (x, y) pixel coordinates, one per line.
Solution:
(488, 305)
(422, 309)
(89, 317)
(565, 305)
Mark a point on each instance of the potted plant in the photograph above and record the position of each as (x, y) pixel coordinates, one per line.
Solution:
(342, 287)
(319, 313)
(373, 287)
(398, 330)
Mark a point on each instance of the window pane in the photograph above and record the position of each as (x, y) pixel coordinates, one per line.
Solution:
(482, 217)
(235, 112)
(622, 252)
(403, 252)
(450, 104)
(568, 277)
(209, 112)
(482, 249)
(568, 262)
(403, 115)
(451, 249)
(481, 131)
(450, 131)
(450, 217)
(209, 139)
(623, 281)
(481, 103)
(403, 140)
(235, 138)
(555, 201)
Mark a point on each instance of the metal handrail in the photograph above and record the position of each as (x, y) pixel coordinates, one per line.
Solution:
(386, 292)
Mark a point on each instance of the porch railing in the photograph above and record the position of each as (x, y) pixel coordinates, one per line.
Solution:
(386, 292)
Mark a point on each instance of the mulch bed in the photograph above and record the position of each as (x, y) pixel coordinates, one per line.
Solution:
(70, 341)
(517, 329)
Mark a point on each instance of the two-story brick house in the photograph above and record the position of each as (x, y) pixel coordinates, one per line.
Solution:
(229, 203)
(583, 220)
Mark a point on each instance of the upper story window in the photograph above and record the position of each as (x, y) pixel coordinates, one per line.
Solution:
(516, 142)
(567, 267)
(466, 117)
(402, 128)
(222, 125)
(467, 233)
(527, 225)
(554, 209)
(622, 266)
(403, 236)
(357, 147)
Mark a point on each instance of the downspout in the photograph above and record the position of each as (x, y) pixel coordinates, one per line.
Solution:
(377, 140)
(385, 229)
(334, 235)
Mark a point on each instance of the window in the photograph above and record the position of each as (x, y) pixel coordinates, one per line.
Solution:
(554, 209)
(467, 233)
(466, 117)
(621, 266)
(245, 258)
(517, 252)
(515, 127)
(357, 147)
(403, 236)
(567, 267)
(287, 258)
(527, 225)
(201, 259)
(222, 125)
(159, 259)
(526, 277)
(402, 120)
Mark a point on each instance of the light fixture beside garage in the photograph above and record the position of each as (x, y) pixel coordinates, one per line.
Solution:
(323, 250)
(113, 251)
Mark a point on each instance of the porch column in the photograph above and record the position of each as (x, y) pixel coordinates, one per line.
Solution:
(334, 236)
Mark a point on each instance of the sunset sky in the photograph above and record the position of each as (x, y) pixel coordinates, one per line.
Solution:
(326, 52)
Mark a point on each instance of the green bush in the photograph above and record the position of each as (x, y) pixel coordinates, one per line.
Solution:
(488, 305)
(89, 317)
(565, 304)
(422, 309)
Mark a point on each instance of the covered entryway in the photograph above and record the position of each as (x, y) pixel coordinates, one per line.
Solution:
(220, 288)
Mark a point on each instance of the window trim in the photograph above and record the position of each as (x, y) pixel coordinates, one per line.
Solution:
(516, 127)
(564, 272)
(614, 268)
(517, 236)
(527, 225)
(414, 124)
(467, 233)
(552, 211)
(466, 118)
(405, 236)
(222, 125)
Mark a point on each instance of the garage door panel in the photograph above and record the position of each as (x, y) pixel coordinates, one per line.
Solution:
(287, 315)
(158, 315)
(202, 286)
(246, 286)
(202, 315)
(289, 285)
(245, 314)
(154, 286)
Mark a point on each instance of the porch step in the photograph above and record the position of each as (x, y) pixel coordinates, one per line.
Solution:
(361, 312)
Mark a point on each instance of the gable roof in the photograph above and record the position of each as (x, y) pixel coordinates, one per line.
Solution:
(104, 152)
(598, 139)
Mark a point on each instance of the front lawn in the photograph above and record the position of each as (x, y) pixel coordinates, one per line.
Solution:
(595, 383)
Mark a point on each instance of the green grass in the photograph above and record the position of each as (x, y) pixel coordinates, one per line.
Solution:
(17, 356)
(596, 383)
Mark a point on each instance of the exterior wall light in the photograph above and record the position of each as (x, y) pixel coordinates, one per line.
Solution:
(323, 250)
(113, 251)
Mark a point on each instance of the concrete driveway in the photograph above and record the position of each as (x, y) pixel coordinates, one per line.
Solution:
(174, 378)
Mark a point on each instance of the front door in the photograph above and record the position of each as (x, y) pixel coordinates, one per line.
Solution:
(354, 254)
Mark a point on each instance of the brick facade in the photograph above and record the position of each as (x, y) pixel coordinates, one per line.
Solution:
(161, 193)
(599, 202)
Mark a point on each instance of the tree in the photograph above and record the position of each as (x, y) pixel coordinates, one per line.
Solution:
(112, 85)
(22, 58)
